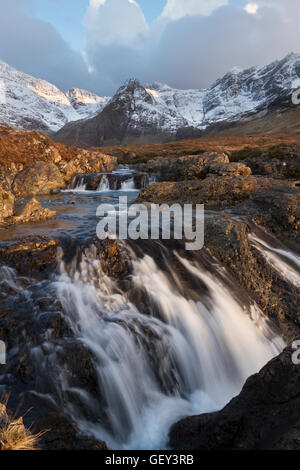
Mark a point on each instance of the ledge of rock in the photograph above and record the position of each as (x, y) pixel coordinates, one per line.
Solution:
(227, 240)
(214, 192)
(32, 212)
(184, 168)
(265, 416)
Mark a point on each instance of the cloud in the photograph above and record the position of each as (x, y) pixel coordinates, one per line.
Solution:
(193, 43)
(176, 9)
(195, 49)
(251, 8)
(35, 47)
(114, 22)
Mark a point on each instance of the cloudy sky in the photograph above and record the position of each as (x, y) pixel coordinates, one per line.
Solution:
(98, 44)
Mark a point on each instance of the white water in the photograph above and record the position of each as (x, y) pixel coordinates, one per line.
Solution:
(81, 185)
(279, 259)
(186, 358)
(104, 184)
(128, 185)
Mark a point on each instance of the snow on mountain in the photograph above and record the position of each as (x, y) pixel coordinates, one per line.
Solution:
(34, 104)
(157, 112)
(147, 110)
(86, 103)
(235, 95)
(139, 112)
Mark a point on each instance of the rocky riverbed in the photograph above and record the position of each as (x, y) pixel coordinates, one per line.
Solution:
(102, 335)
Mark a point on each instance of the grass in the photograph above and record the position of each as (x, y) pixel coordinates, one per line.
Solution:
(13, 434)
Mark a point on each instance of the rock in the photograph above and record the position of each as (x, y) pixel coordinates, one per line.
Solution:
(214, 192)
(114, 260)
(184, 168)
(63, 434)
(265, 416)
(227, 240)
(272, 203)
(230, 169)
(32, 212)
(33, 255)
(280, 162)
(7, 201)
(40, 178)
(276, 205)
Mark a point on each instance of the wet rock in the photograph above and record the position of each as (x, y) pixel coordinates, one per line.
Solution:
(227, 240)
(63, 434)
(30, 255)
(114, 260)
(266, 414)
(32, 212)
(40, 178)
(77, 361)
(272, 203)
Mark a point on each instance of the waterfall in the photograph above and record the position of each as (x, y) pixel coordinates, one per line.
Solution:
(159, 353)
(128, 185)
(104, 184)
(285, 262)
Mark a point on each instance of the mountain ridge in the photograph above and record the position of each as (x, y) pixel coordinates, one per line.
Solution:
(34, 104)
(150, 113)
(159, 113)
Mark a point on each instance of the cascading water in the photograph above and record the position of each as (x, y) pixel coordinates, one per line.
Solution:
(81, 185)
(104, 184)
(128, 185)
(160, 354)
(285, 262)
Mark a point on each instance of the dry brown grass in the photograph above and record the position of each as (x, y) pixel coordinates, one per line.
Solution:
(25, 147)
(13, 434)
(218, 144)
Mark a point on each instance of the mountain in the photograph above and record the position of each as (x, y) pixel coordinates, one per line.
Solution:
(85, 102)
(133, 114)
(157, 113)
(29, 103)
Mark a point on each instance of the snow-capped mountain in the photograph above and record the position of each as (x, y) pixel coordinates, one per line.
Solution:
(237, 94)
(85, 102)
(150, 113)
(158, 112)
(30, 103)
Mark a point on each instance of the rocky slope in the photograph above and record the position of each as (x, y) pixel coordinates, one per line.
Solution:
(158, 113)
(265, 416)
(29, 103)
(31, 164)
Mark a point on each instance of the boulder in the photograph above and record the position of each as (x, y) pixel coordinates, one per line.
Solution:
(40, 178)
(32, 212)
(229, 169)
(184, 168)
(33, 255)
(87, 162)
(7, 201)
(214, 192)
(265, 416)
